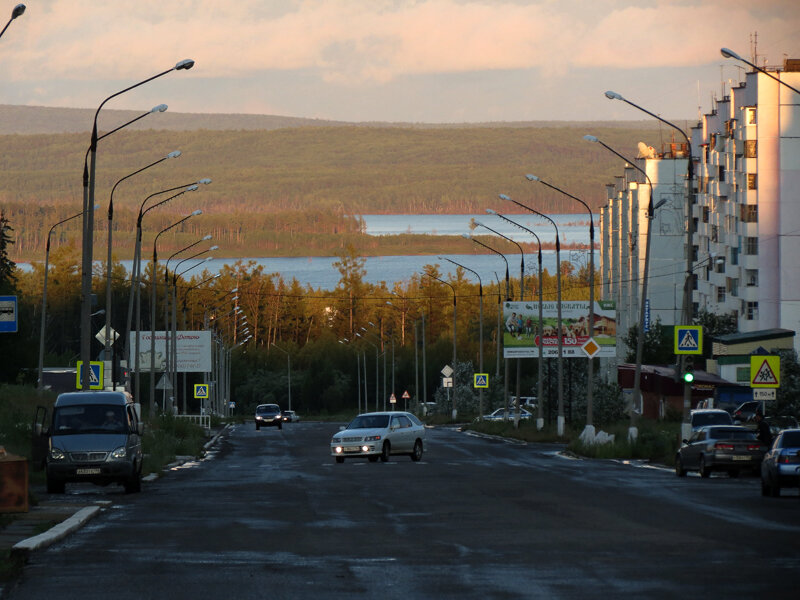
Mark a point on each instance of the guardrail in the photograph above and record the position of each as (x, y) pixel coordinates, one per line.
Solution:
(203, 421)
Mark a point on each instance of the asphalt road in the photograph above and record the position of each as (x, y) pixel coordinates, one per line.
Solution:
(270, 515)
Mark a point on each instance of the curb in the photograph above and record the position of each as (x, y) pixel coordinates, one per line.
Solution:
(56, 532)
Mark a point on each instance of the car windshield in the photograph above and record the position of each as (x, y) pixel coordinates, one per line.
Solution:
(715, 418)
(370, 422)
(268, 408)
(791, 439)
(730, 433)
(92, 418)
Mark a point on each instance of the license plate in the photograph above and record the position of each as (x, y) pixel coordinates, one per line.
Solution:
(352, 449)
(88, 471)
(740, 457)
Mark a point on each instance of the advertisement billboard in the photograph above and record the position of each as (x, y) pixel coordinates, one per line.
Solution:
(521, 337)
(193, 350)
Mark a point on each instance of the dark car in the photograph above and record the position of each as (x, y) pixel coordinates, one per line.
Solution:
(732, 449)
(268, 415)
(709, 416)
(781, 465)
(781, 422)
(746, 411)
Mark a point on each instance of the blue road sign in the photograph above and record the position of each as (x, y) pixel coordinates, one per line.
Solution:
(95, 375)
(688, 339)
(201, 390)
(8, 314)
(481, 380)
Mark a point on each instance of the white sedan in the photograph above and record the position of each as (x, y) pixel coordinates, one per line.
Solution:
(500, 414)
(380, 435)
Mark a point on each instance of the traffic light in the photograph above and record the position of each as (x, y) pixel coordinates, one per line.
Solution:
(688, 373)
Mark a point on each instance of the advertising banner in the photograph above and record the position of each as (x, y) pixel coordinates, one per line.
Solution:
(521, 338)
(193, 350)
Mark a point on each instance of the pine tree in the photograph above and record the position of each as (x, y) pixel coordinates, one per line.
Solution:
(8, 278)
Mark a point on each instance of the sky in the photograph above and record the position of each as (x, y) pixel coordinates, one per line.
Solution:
(433, 61)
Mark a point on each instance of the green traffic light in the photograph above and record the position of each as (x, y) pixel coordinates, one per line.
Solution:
(688, 377)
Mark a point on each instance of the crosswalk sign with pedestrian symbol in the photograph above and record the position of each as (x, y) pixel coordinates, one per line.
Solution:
(688, 339)
(481, 380)
(201, 390)
(95, 375)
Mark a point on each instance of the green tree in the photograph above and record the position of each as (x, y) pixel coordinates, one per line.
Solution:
(8, 279)
(657, 348)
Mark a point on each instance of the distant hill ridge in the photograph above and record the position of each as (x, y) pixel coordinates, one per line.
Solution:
(28, 120)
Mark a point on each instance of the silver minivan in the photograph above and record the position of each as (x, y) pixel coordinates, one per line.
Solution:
(93, 437)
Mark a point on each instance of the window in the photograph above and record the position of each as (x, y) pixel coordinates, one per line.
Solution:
(734, 256)
(751, 148)
(743, 375)
(720, 294)
(752, 311)
(706, 212)
(749, 213)
(733, 286)
(719, 264)
(751, 276)
(721, 175)
(751, 246)
(750, 115)
(714, 233)
(752, 181)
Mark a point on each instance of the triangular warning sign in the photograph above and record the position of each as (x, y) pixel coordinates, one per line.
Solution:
(689, 342)
(765, 375)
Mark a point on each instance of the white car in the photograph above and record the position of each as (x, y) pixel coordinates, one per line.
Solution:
(498, 415)
(380, 435)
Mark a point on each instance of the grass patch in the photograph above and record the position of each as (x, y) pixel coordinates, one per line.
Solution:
(166, 437)
(658, 441)
(526, 431)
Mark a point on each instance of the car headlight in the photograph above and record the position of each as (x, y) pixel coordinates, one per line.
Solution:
(57, 454)
(119, 452)
(338, 449)
(372, 438)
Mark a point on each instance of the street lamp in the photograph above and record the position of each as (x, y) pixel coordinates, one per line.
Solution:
(153, 308)
(88, 206)
(539, 398)
(44, 287)
(728, 53)
(15, 12)
(108, 342)
(560, 333)
(377, 382)
(480, 330)
(590, 329)
(183, 325)
(521, 257)
(632, 434)
(455, 411)
(289, 372)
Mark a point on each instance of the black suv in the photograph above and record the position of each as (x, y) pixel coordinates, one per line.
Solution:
(268, 414)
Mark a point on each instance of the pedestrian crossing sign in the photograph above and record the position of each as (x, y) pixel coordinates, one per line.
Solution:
(95, 375)
(481, 380)
(201, 390)
(688, 339)
(765, 371)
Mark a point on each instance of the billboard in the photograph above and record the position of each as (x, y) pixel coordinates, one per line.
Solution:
(193, 350)
(521, 337)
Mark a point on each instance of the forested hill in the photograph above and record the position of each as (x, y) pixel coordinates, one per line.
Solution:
(298, 190)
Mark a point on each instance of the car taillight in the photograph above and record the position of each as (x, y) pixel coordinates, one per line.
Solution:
(789, 459)
(722, 446)
(754, 447)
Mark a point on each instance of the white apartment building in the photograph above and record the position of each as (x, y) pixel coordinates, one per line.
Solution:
(745, 214)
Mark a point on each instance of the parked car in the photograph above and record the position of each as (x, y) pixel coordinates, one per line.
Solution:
(289, 416)
(93, 437)
(746, 411)
(781, 465)
(731, 448)
(380, 435)
(710, 416)
(268, 415)
(500, 414)
(781, 422)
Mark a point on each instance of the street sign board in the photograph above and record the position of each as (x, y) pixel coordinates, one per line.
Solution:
(201, 390)
(392, 399)
(764, 394)
(406, 395)
(8, 314)
(95, 375)
(480, 380)
(765, 371)
(688, 339)
(447, 382)
(101, 335)
(447, 371)
(591, 348)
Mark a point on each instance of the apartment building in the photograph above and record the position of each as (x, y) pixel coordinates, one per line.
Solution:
(744, 213)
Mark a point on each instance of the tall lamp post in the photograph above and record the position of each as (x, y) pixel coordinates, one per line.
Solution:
(183, 325)
(153, 308)
(560, 333)
(15, 12)
(480, 330)
(521, 257)
(88, 219)
(637, 377)
(377, 382)
(289, 372)
(455, 411)
(108, 341)
(590, 329)
(540, 382)
(687, 293)
(728, 53)
(44, 292)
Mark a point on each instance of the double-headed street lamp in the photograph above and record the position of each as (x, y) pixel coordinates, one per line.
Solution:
(643, 300)
(560, 333)
(88, 219)
(540, 382)
(590, 329)
(15, 12)
(44, 291)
